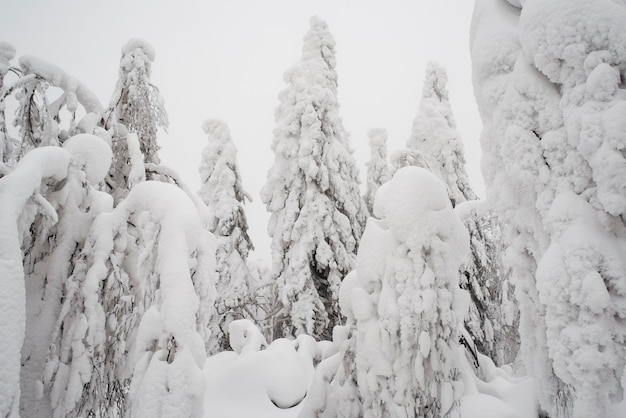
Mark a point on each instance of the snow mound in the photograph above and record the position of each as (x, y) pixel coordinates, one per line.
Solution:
(260, 383)
(92, 154)
(412, 197)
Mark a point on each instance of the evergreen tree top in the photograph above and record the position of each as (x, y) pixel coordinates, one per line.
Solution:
(435, 82)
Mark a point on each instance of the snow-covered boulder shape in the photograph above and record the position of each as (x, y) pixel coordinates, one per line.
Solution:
(245, 337)
(92, 154)
(418, 212)
(251, 381)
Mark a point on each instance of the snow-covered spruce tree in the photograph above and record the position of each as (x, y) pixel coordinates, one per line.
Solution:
(434, 135)
(549, 91)
(435, 144)
(377, 166)
(222, 192)
(404, 308)
(312, 192)
(137, 105)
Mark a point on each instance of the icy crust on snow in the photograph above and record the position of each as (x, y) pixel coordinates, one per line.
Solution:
(75, 91)
(16, 188)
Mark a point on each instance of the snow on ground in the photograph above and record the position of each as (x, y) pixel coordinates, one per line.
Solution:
(261, 383)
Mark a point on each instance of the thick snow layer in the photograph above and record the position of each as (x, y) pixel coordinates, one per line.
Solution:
(559, 34)
(168, 350)
(267, 383)
(92, 155)
(74, 89)
(15, 189)
(137, 43)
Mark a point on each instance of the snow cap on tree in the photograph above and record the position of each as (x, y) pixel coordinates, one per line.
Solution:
(136, 102)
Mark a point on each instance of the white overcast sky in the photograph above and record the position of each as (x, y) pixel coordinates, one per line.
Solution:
(226, 58)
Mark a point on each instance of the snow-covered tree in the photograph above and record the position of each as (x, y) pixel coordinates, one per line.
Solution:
(312, 192)
(377, 166)
(39, 112)
(137, 105)
(549, 82)
(143, 339)
(434, 144)
(17, 190)
(434, 135)
(493, 317)
(404, 307)
(7, 53)
(62, 335)
(222, 192)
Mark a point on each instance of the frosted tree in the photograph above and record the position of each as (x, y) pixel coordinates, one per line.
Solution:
(555, 172)
(312, 192)
(404, 308)
(18, 190)
(138, 106)
(434, 135)
(147, 273)
(50, 222)
(62, 335)
(434, 144)
(39, 113)
(224, 196)
(493, 317)
(377, 166)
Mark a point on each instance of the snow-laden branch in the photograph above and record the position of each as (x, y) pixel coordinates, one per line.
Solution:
(15, 190)
(74, 89)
